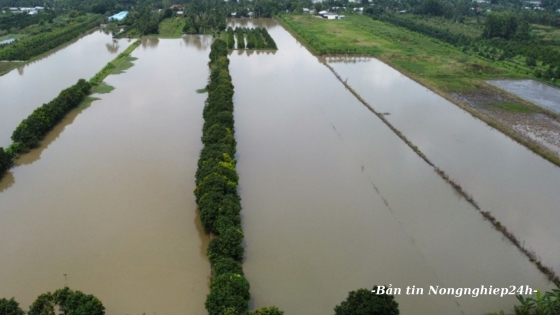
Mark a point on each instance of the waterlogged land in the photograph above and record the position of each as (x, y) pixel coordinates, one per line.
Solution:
(109, 202)
(445, 69)
(504, 178)
(333, 200)
(36, 83)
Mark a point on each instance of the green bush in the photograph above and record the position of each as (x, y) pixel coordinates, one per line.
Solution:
(228, 290)
(271, 310)
(69, 303)
(227, 245)
(365, 302)
(10, 307)
(226, 265)
(6, 160)
(32, 129)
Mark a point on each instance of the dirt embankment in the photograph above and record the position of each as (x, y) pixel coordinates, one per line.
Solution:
(526, 123)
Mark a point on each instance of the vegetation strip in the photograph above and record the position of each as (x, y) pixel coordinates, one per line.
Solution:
(216, 194)
(248, 38)
(29, 47)
(531, 255)
(34, 128)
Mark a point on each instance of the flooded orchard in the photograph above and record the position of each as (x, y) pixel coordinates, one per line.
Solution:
(109, 203)
(334, 201)
(24, 89)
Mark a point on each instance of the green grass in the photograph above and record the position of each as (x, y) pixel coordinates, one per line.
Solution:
(7, 66)
(513, 107)
(86, 103)
(125, 64)
(435, 64)
(171, 27)
(439, 66)
(102, 88)
(14, 36)
(117, 66)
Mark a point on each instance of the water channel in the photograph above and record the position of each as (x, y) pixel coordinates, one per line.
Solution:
(29, 86)
(109, 203)
(334, 201)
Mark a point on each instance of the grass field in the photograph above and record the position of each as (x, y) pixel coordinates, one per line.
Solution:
(171, 27)
(427, 60)
(439, 66)
(14, 36)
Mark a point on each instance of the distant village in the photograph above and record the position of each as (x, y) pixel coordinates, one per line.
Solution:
(26, 10)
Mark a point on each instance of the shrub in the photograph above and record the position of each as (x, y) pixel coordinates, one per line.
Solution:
(364, 302)
(226, 265)
(271, 310)
(228, 290)
(227, 245)
(10, 307)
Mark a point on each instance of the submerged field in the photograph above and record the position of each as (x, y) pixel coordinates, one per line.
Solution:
(458, 76)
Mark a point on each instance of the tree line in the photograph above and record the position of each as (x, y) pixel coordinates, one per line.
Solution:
(505, 36)
(32, 129)
(68, 302)
(22, 20)
(256, 38)
(216, 194)
(29, 47)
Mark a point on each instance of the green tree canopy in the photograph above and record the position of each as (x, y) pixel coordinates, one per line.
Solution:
(10, 307)
(69, 303)
(365, 302)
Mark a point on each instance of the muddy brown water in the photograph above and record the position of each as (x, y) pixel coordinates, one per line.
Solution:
(533, 91)
(24, 89)
(109, 202)
(334, 201)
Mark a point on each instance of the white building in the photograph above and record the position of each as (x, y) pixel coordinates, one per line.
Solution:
(331, 16)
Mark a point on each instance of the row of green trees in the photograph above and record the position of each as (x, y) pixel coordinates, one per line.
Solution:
(256, 38)
(216, 194)
(504, 34)
(216, 191)
(22, 20)
(32, 129)
(205, 17)
(67, 302)
(6, 161)
(230, 38)
(29, 47)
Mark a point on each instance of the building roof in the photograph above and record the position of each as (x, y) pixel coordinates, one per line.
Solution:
(119, 16)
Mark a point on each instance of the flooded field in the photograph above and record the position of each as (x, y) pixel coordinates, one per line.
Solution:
(517, 186)
(334, 201)
(533, 91)
(29, 86)
(109, 202)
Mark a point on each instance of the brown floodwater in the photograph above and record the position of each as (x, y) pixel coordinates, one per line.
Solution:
(29, 86)
(334, 201)
(517, 186)
(107, 200)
